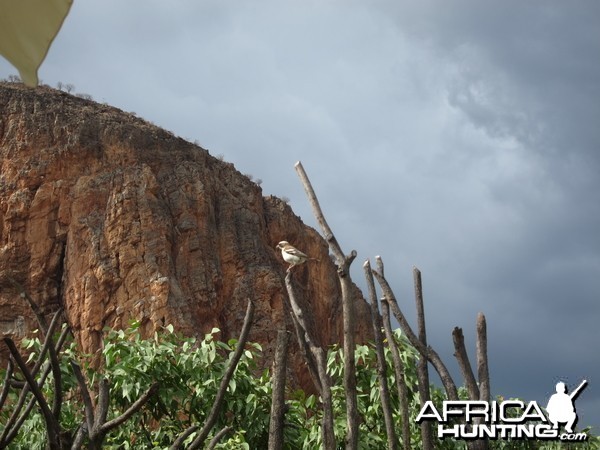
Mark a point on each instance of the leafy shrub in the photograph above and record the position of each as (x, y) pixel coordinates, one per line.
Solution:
(189, 371)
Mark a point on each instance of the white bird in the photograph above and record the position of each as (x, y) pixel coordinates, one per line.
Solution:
(292, 255)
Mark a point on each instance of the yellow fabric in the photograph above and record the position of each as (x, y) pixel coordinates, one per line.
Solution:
(27, 28)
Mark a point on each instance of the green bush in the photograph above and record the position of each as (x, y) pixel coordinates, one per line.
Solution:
(189, 371)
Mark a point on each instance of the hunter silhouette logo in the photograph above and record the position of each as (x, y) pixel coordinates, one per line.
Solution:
(561, 408)
(507, 419)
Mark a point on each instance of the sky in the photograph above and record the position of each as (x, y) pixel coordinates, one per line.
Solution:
(461, 137)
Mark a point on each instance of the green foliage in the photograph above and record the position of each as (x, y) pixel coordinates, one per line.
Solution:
(306, 412)
(189, 372)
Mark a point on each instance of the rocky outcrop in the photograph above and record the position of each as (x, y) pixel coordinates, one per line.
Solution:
(116, 219)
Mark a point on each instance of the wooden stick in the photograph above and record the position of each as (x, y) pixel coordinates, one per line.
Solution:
(381, 363)
(483, 372)
(217, 437)
(425, 351)
(398, 364)
(14, 424)
(460, 352)
(135, 407)
(6, 383)
(278, 395)
(88, 406)
(52, 426)
(422, 369)
(216, 408)
(317, 359)
(347, 287)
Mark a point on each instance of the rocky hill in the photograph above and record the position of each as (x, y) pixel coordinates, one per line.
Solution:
(116, 219)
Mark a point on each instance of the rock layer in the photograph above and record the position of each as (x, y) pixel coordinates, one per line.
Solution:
(116, 220)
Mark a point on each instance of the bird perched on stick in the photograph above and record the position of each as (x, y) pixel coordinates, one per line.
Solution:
(292, 255)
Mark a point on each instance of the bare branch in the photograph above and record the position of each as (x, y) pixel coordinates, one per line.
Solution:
(302, 315)
(52, 426)
(425, 351)
(310, 359)
(135, 407)
(398, 365)
(6, 382)
(55, 364)
(48, 346)
(381, 364)
(343, 264)
(399, 371)
(314, 202)
(102, 404)
(212, 417)
(316, 357)
(327, 429)
(178, 443)
(79, 437)
(422, 368)
(482, 359)
(215, 440)
(278, 394)
(463, 362)
(14, 423)
(85, 395)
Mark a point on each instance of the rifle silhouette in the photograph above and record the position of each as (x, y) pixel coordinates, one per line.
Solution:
(576, 392)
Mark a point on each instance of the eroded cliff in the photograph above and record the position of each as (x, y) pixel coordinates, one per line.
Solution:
(116, 219)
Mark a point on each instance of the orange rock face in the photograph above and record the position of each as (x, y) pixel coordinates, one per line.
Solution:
(117, 220)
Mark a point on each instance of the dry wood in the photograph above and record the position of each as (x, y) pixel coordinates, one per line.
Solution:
(88, 406)
(95, 426)
(343, 263)
(216, 407)
(399, 372)
(278, 396)
(397, 362)
(135, 407)
(52, 426)
(25, 390)
(178, 443)
(15, 421)
(6, 383)
(54, 364)
(381, 363)
(460, 352)
(431, 355)
(482, 359)
(422, 364)
(102, 404)
(217, 437)
(425, 351)
(482, 373)
(316, 357)
(307, 353)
